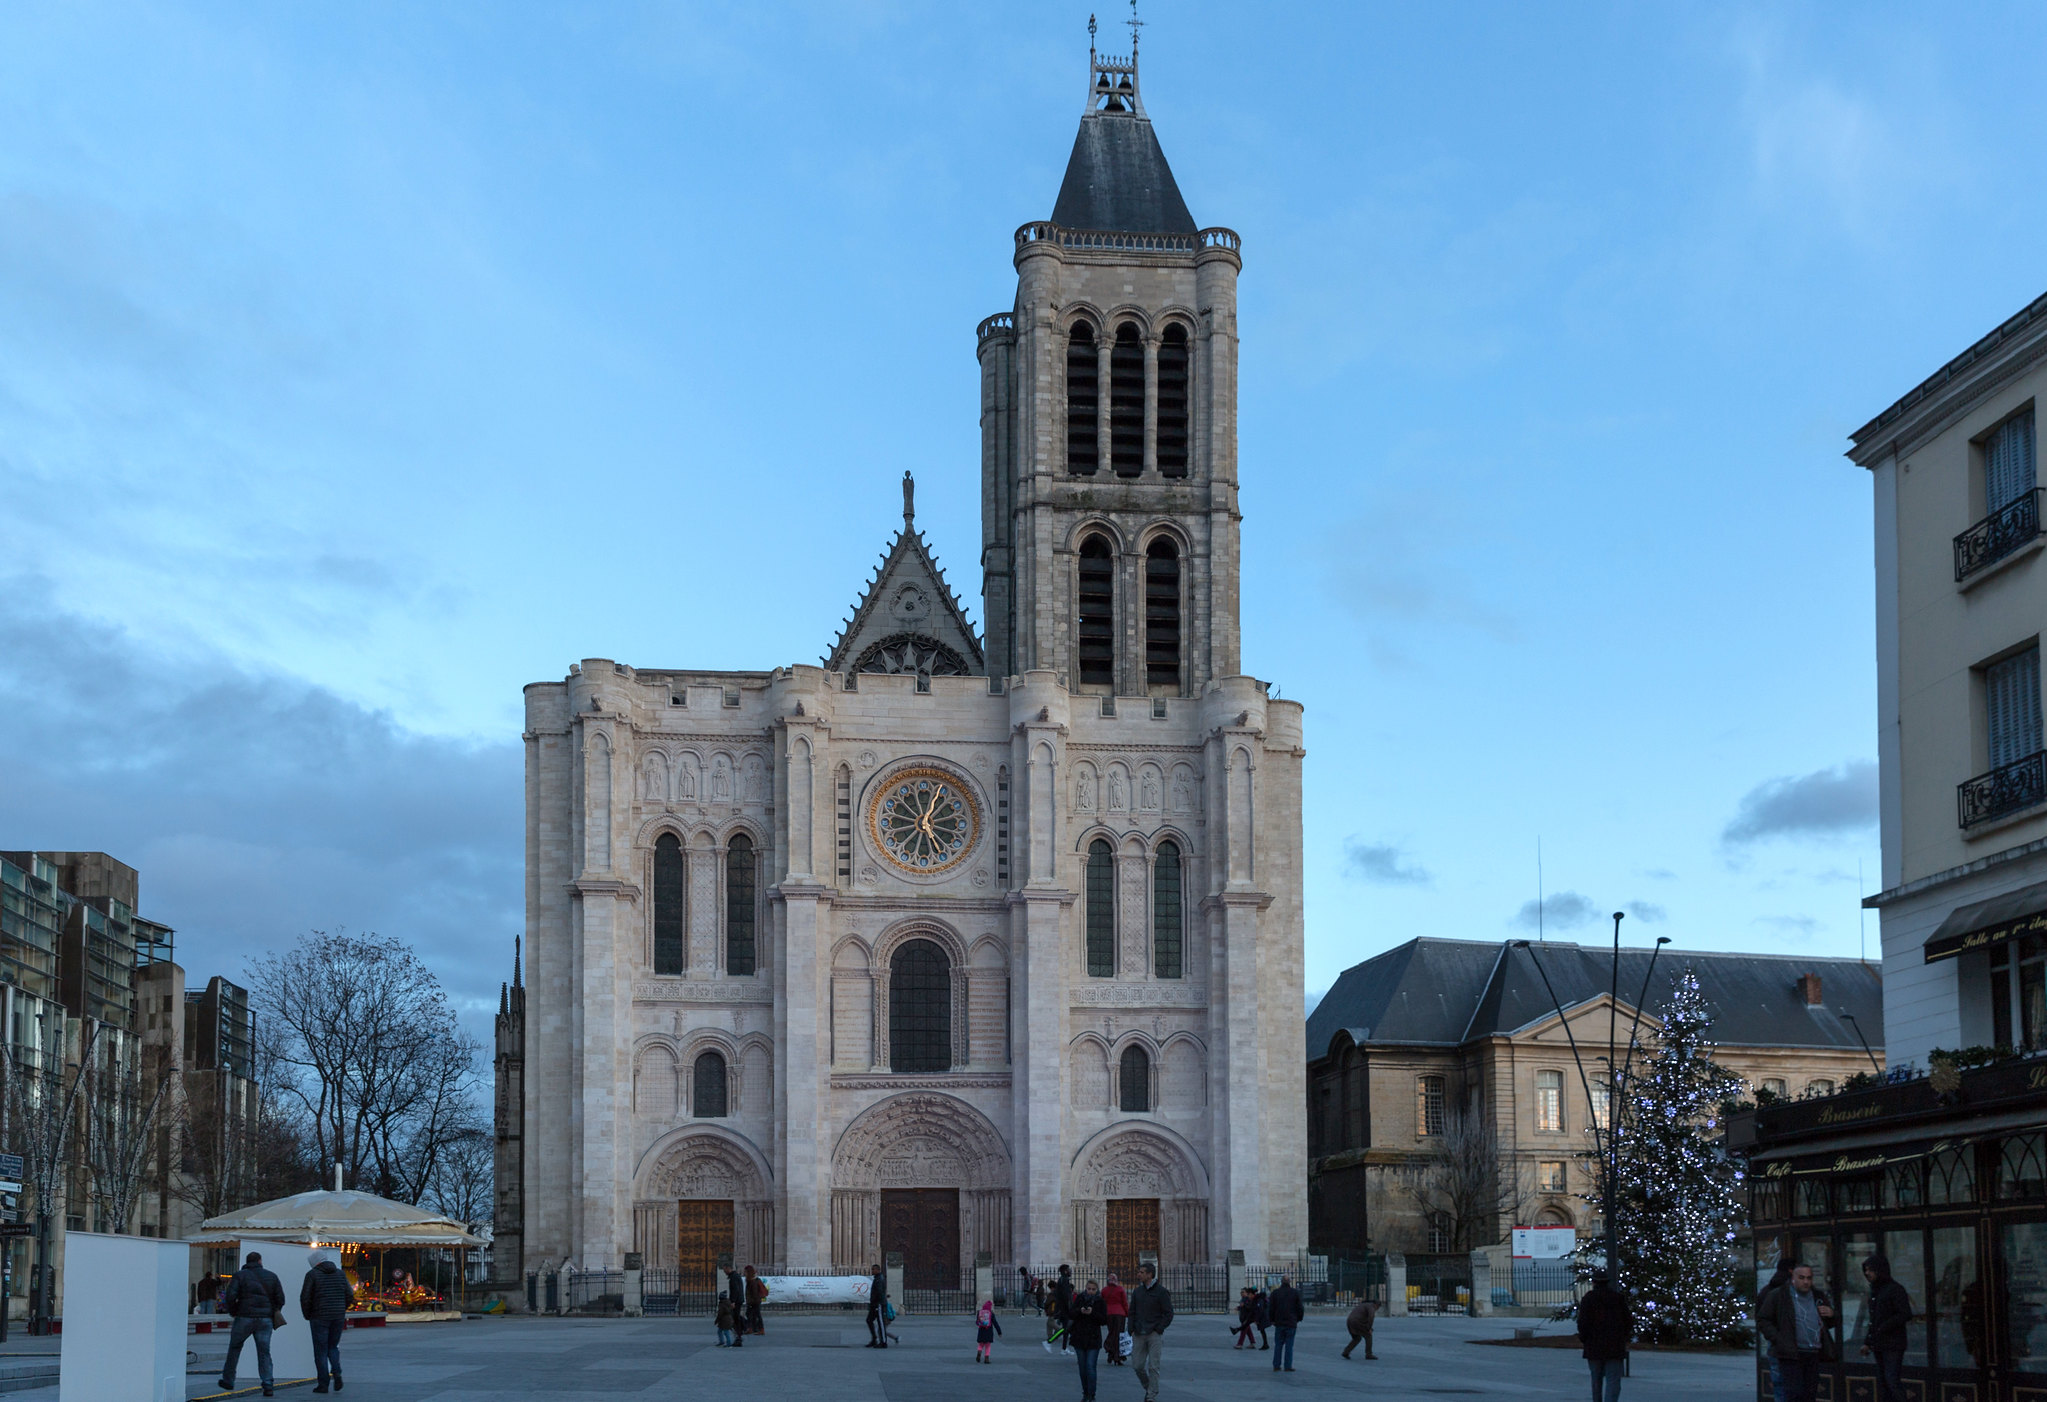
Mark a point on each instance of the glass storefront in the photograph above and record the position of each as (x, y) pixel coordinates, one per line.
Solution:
(1964, 1225)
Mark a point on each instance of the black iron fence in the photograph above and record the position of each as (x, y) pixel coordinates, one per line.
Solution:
(1541, 1283)
(1439, 1284)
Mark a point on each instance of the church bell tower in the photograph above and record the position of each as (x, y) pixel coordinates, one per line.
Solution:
(1109, 424)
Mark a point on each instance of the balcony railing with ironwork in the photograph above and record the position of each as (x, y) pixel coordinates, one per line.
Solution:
(2009, 788)
(1998, 534)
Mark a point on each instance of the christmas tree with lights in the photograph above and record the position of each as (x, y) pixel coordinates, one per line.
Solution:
(1678, 1194)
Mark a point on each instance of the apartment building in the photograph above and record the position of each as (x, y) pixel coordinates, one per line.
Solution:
(1945, 1170)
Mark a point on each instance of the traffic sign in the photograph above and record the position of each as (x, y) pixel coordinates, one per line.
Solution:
(11, 1167)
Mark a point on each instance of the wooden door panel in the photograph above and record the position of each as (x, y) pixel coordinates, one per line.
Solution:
(924, 1225)
(703, 1231)
(1133, 1227)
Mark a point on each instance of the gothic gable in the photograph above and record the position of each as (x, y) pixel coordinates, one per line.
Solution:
(908, 620)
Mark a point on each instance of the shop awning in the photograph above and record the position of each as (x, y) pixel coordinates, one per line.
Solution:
(1986, 923)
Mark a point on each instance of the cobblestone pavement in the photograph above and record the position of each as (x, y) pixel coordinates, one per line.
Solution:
(821, 1357)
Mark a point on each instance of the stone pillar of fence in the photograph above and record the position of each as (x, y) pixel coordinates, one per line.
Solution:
(635, 1274)
(1481, 1281)
(892, 1263)
(1396, 1284)
(984, 1278)
(1233, 1282)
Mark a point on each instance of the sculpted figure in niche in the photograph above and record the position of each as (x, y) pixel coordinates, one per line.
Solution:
(755, 786)
(1183, 792)
(1150, 801)
(654, 779)
(1118, 796)
(686, 781)
(1084, 790)
(721, 780)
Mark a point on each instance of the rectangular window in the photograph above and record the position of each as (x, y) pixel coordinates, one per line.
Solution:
(2011, 691)
(1429, 1100)
(2008, 462)
(1549, 1176)
(1602, 1103)
(2018, 1006)
(1549, 1102)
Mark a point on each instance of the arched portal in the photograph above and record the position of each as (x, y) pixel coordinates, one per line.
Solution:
(924, 1174)
(701, 1192)
(1139, 1188)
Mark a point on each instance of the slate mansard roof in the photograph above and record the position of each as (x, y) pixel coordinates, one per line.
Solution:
(1435, 992)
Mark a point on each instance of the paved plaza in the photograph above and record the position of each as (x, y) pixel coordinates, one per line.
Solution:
(822, 1357)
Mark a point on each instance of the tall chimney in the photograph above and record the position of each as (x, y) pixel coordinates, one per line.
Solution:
(1809, 985)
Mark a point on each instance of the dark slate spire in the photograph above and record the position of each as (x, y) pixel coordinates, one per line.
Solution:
(1117, 177)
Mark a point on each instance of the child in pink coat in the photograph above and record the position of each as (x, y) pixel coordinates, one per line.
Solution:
(987, 1326)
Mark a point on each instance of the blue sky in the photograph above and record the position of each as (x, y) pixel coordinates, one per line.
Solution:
(360, 364)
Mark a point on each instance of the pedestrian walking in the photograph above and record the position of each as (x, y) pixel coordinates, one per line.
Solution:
(1116, 1303)
(1605, 1324)
(206, 1294)
(255, 1297)
(1247, 1317)
(1797, 1325)
(1085, 1321)
(756, 1296)
(735, 1294)
(1287, 1313)
(877, 1300)
(986, 1327)
(1261, 1315)
(324, 1298)
(1151, 1312)
(1359, 1322)
(727, 1317)
(1057, 1302)
(1780, 1279)
(1890, 1310)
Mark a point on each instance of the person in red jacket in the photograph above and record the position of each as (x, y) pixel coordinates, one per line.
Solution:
(1116, 1305)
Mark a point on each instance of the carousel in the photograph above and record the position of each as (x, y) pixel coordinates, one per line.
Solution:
(366, 1230)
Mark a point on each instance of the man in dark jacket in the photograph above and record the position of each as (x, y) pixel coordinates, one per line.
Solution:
(1287, 1313)
(877, 1297)
(1605, 1324)
(324, 1298)
(1795, 1321)
(1058, 1310)
(1890, 1310)
(1151, 1311)
(1360, 1325)
(1780, 1279)
(735, 1291)
(254, 1297)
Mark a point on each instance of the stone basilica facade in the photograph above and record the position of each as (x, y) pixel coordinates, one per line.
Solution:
(951, 945)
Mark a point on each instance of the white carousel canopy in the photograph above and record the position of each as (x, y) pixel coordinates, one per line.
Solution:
(333, 1216)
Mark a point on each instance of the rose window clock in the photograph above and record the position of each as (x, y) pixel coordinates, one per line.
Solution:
(924, 821)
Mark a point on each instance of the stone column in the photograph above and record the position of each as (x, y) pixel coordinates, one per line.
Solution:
(1396, 1284)
(1040, 931)
(1151, 406)
(1481, 1282)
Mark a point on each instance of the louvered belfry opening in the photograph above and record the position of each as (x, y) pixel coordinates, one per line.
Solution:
(1162, 616)
(671, 899)
(1097, 613)
(1083, 401)
(1173, 402)
(1126, 401)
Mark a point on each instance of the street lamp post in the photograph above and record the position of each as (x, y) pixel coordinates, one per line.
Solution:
(1606, 1138)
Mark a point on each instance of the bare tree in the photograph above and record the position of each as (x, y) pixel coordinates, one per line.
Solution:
(42, 1108)
(1459, 1183)
(122, 1107)
(461, 1188)
(368, 1059)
